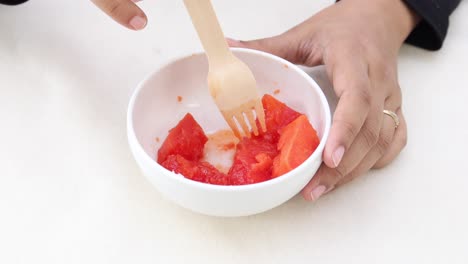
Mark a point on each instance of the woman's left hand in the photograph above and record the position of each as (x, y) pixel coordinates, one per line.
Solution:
(358, 41)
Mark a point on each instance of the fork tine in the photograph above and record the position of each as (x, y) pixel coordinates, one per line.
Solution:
(241, 120)
(260, 114)
(232, 124)
(251, 119)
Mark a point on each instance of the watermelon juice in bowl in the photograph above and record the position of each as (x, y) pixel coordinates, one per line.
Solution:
(176, 98)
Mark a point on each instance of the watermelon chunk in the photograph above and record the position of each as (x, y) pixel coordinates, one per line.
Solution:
(277, 115)
(252, 161)
(187, 139)
(289, 140)
(297, 142)
(195, 170)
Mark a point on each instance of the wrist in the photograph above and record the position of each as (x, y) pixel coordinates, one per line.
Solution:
(400, 15)
(395, 16)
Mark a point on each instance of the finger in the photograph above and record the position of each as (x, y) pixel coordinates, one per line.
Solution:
(399, 142)
(386, 139)
(385, 94)
(363, 143)
(314, 189)
(352, 86)
(289, 46)
(277, 45)
(125, 12)
(328, 179)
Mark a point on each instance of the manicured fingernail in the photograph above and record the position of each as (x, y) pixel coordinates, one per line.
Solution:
(317, 192)
(138, 22)
(337, 156)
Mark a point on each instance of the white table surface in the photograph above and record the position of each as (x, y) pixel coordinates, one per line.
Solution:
(70, 191)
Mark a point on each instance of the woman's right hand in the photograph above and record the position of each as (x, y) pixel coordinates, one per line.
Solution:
(125, 12)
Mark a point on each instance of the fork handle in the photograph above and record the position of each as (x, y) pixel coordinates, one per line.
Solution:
(209, 31)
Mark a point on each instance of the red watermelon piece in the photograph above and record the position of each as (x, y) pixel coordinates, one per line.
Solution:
(252, 161)
(187, 139)
(277, 115)
(297, 142)
(195, 170)
(290, 140)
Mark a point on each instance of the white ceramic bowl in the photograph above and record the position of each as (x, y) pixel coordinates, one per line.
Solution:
(154, 109)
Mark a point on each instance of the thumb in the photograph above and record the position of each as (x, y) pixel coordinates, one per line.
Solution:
(282, 46)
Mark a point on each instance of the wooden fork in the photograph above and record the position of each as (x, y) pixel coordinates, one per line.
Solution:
(231, 82)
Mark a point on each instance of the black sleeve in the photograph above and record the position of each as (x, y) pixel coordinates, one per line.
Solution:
(12, 2)
(431, 31)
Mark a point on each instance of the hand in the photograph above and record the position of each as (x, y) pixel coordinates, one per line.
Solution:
(358, 41)
(125, 12)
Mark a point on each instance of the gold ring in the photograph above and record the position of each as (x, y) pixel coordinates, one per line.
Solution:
(394, 116)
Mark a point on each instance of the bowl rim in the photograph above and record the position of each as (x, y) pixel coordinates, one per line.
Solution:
(230, 188)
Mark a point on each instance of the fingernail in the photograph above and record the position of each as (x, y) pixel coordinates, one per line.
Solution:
(337, 156)
(317, 192)
(233, 40)
(138, 22)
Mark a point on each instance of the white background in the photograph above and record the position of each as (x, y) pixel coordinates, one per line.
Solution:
(70, 191)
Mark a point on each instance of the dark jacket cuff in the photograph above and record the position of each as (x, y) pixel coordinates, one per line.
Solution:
(431, 31)
(12, 2)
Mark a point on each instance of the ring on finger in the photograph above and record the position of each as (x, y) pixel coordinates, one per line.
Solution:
(394, 116)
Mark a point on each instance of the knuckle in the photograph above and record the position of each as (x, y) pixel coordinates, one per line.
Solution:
(371, 136)
(397, 94)
(365, 96)
(110, 7)
(307, 53)
(349, 130)
(340, 173)
(380, 164)
(349, 178)
(114, 8)
(402, 141)
(383, 144)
